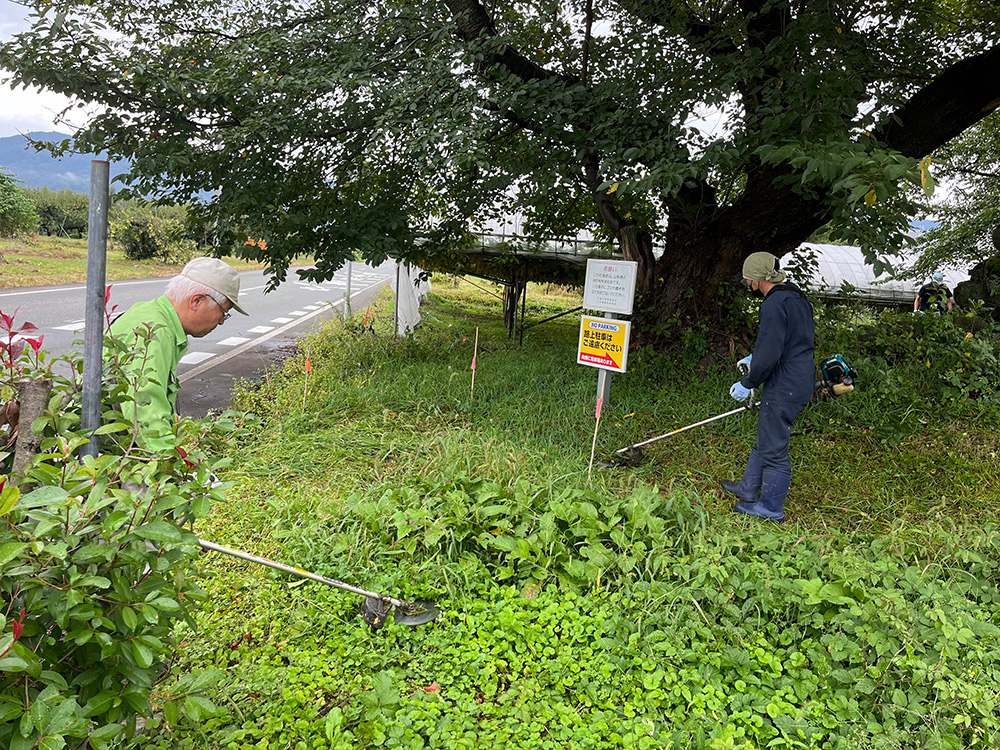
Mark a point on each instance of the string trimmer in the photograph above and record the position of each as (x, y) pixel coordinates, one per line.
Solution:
(837, 378)
(374, 608)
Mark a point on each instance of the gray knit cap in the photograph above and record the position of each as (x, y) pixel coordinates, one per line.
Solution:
(762, 267)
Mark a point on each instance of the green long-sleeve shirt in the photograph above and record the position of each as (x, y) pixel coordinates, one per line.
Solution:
(153, 371)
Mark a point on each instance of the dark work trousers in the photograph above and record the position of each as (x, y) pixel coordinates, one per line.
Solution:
(768, 473)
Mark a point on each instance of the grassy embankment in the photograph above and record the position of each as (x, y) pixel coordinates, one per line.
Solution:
(633, 610)
(45, 261)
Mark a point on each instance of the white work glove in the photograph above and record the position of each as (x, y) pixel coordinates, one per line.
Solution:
(739, 391)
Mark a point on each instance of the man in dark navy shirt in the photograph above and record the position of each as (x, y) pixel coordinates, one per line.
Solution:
(782, 364)
(934, 296)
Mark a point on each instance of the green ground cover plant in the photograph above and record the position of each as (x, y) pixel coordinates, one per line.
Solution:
(630, 610)
(633, 610)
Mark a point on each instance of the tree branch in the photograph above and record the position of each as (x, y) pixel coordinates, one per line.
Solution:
(475, 25)
(962, 95)
(588, 26)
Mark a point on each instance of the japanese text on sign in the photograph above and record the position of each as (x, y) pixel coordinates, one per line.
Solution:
(610, 285)
(603, 343)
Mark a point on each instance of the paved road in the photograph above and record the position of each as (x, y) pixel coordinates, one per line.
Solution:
(239, 349)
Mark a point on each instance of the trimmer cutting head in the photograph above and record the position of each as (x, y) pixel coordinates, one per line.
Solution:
(374, 611)
(632, 457)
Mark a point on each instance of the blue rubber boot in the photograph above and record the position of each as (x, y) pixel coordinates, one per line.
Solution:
(747, 489)
(771, 505)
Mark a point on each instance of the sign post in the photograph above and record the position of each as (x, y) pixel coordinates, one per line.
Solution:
(609, 288)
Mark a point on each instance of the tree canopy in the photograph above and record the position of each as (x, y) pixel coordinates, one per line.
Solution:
(691, 132)
(969, 229)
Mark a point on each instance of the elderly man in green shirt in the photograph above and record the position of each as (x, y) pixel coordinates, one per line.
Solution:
(195, 303)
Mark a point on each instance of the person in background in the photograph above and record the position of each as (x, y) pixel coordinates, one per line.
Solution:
(195, 303)
(782, 363)
(934, 295)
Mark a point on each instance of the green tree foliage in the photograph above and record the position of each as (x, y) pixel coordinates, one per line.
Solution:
(970, 216)
(705, 129)
(17, 214)
(61, 213)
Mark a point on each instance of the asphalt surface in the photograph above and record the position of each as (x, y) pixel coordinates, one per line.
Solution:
(239, 350)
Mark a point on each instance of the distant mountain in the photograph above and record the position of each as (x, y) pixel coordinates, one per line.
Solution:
(38, 169)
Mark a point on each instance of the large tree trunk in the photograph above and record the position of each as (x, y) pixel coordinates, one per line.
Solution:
(638, 246)
(701, 265)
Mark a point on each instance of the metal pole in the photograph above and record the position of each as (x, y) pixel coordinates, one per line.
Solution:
(604, 380)
(738, 410)
(347, 299)
(93, 334)
(297, 572)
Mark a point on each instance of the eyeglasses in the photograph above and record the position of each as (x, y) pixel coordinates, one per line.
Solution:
(225, 315)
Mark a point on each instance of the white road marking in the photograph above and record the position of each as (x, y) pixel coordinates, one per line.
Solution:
(82, 287)
(261, 329)
(233, 341)
(78, 326)
(282, 320)
(195, 371)
(297, 313)
(193, 358)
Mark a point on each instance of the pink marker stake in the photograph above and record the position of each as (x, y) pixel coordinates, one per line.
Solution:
(475, 352)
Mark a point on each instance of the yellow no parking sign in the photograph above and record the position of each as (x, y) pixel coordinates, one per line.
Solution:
(603, 343)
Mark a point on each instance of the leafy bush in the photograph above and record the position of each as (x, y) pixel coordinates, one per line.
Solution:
(63, 213)
(17, 214)
(95, 569)
(915, 365)
(522, 533)
(147, 232)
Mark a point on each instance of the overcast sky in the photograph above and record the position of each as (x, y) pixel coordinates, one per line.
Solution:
(21, 110)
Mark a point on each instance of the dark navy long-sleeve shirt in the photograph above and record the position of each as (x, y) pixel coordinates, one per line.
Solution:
(783, 357)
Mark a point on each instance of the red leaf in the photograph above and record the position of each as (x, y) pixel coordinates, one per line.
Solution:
(432, 688)
(8, 320)
(18, 626)
(107, 294)
(27, 328)
(184, 454)
(36, 344)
